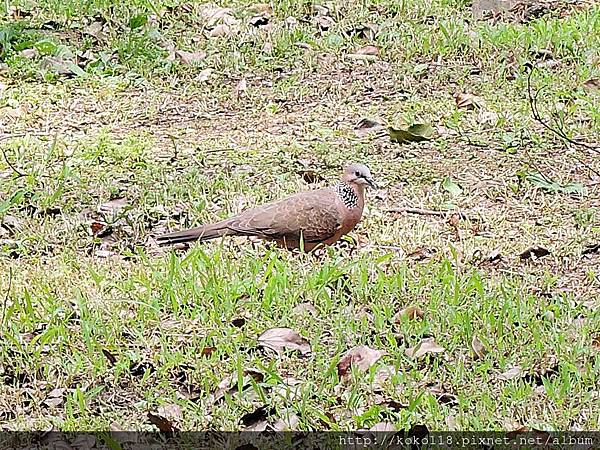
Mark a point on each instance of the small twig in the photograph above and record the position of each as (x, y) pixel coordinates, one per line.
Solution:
(10, 277)
(9, 164)
(431, 212)
(533, 98)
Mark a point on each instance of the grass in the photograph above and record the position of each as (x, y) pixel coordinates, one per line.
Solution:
(99, 327)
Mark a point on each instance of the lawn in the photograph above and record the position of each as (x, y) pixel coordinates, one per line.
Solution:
(471, 287)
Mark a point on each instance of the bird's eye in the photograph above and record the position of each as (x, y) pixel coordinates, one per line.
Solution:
(357, 173)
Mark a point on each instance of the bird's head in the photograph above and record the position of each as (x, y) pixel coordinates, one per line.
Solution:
(358, 174)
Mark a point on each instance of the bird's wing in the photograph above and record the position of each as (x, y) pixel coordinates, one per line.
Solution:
(313, 215)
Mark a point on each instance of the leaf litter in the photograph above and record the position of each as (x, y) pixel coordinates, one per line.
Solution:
(278, 339)
(361, 357)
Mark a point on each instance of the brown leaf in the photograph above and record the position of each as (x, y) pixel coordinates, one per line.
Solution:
(311, 176)
(188, 58)
(534, 252)
(207, 351)
(361, 357)
(365, 123)
(172, 412)
(161, 423)
(468, 101)
(112, 360)
(512, 373)
(592, 84)
(411, 313)
(368, 50)
(55, 397)
(596, 343)
(279, 338)
(303, 308)
(427, 345)
(422, 253)
(478, 347)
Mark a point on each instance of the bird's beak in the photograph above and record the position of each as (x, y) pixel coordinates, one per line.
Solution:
(371, 183)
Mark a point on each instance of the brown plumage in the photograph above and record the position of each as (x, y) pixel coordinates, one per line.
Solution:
(314, 217)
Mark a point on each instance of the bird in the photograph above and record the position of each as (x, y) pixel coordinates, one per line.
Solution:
(301, 221)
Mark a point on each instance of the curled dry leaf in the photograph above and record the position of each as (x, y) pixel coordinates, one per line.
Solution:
(425, 346)
(279, 338)
(478, 348)
(512, 373)
(468, 101)
(361, 357)
(160, 422)
(55, 397)
(411, 313)
(592, 84)
(596, 343)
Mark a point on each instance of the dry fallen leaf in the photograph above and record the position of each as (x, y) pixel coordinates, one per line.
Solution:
(365, 123)
(204, 75)
(171, 412)
(596, 343)
(411, 313)
(303, 308)
(512, 373)
(478, 347)
(361, 357)
(220, 31)
(187, 58)
(162, 423)
(427, 345)
(368, 50)
(467, 101)
(279, 338)
(55, 397)
(592, 84)
(382, 376)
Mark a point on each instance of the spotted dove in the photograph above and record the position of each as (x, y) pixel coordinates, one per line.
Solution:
(302, 220)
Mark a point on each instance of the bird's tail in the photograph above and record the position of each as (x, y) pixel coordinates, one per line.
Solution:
(201, 233)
